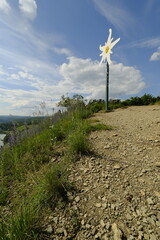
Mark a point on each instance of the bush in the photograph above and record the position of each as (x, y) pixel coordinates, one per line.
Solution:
(96, 105)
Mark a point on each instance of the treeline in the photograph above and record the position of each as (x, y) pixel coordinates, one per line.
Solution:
(146, 99)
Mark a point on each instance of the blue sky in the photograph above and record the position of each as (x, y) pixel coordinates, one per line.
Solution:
(51, 47)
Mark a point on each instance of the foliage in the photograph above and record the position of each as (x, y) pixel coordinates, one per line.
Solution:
(76, 101)
(146, 99)
(96, 105)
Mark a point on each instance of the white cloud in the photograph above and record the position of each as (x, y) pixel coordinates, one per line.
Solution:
(85, 76)
(64, 51)
(37, 82)
(114, 13)
(156, 55)
(152, 42)
(28, 8)
(4, 6)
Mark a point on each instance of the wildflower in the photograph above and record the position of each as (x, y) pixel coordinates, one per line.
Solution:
(106, 49)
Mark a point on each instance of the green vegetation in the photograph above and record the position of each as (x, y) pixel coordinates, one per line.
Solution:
(30, 181)
(146, 99)
(7, 122)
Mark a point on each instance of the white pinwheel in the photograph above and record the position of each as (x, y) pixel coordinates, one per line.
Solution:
(106, 49)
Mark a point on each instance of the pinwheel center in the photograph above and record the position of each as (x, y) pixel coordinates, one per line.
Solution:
(107, 49)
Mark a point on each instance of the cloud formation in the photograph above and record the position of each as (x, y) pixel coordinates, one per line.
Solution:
(28, 8)
(114, 13)
(4, 6)
(152, 42)
(37, 82)
(156, 55)
(85, 76)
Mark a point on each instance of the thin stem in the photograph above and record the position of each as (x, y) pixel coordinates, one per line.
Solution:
(107, 88)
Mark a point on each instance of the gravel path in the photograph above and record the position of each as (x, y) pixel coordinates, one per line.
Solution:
(118, 194)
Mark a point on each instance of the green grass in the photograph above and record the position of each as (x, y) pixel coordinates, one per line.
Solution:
(98, 127)
(77, 142)
(51, 185)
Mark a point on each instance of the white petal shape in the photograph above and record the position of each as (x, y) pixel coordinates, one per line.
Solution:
(106, 49)
(114, 43)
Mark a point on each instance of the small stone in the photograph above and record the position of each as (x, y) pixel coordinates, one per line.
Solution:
(98, 205)
(49, 229)
(98, 236)
(150, 201)
(146, 236)
(157, 164)
(65, 232)
(117, 167)
(55, 219)
(82, 222)
(128, 216)
(143, 210)
(113, 206)
(102, 223)
(88, 226)
(59, 230)
(77, 199)
(107, 147)
(157, 194)
(107, 225)
(131, 238)
(117, 233)
(104, 205)
(153, 237)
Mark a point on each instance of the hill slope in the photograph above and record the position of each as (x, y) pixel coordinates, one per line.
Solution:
(118, 186)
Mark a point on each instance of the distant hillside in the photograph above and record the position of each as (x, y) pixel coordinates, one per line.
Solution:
(10, 118)
(7, 122)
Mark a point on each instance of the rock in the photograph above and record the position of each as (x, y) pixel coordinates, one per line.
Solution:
(104, 205)
(60, 231)
(157, 194)
(77, 199)
(102, 223)
(98, 205)
(49, 229)
(117, 167)
(153, 237)
(107, 225)
(157, 164)
(88, 226)
(98, 236)
(117, 233)
(55, 219)
(146, 236)
(150, 201)
(83, 222)
(128, 216)
(143, 210)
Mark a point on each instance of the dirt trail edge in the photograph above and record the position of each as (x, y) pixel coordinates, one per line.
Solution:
(118, 194)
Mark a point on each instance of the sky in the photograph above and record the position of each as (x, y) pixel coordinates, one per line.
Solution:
(50, 48)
